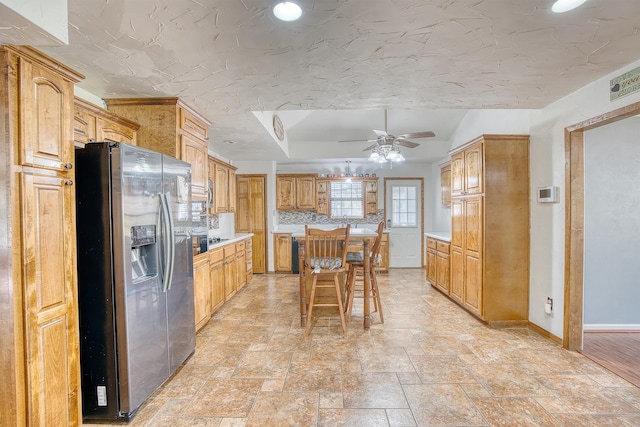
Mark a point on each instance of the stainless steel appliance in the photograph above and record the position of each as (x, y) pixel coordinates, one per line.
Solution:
(135, 274)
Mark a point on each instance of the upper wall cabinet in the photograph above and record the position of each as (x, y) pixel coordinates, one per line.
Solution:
(92, 123)
(466, 171)
(170, 126)
(296, 191)
(222, 184)
(445, 185)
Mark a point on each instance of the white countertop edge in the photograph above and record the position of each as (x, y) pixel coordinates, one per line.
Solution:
(440, 235)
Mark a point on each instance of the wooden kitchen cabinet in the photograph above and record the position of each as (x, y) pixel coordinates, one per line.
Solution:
(322, 196)
(230, 277)
(223, 178)
(92, 123)
(249, 259)
(296, 191)
(201, 290)
(282, 252)
(216, 278)
(170, 126)
(445, 185)
(384, 253)
(371, 196)
(489, 257)
(438, 264)
(241, 265)
(40, 357)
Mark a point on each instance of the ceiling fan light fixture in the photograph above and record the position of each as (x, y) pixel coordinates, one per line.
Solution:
(287, 11)
(561, 6)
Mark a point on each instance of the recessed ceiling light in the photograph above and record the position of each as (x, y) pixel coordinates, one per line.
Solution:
(561, 6)
(287, 11)
(228, 141)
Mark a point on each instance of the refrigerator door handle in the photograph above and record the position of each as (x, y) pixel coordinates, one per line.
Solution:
(166, 243)
(172, 241)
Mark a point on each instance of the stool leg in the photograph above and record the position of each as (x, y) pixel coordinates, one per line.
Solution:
(340, 306)
(311, 298)
(376, 295)
(352, 290)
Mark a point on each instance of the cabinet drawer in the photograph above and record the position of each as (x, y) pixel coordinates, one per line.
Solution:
(240, 246)
(443, 247)
(432, 243)
(216, 255)
(191, 124)
(229, 250)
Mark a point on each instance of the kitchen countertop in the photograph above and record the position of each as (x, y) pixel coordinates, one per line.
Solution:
(440, 235)
(236, 238)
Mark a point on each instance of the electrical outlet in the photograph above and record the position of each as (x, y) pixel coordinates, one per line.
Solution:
(548, 306)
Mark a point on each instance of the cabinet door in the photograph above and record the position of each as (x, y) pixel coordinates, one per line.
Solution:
(431, 267)
(106, 130)
(445, 185)
(306, 193)
(384, 253)
(194, 151)
(457, 223)
(201, 291)
(241, 269)
(457, 274)
(84, 127)
(322, 197)
(258, 241)
(230, 279)
(221, 188)
(283, 253)
(473, 169)
(50, 299)
(45, 118)
(473, 225)
(285, 193)
(442, 272)
(457, 174)
(371, 191)
(232, 190)
(473, 243)
(217, 285)
(472, 297)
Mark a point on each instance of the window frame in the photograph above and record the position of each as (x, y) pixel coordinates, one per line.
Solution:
(361, 199)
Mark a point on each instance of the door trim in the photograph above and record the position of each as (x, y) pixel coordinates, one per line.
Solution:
(574, 220)
(422, 263)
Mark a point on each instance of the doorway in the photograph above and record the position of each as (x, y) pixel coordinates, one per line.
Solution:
(603, 347)
(404, 199)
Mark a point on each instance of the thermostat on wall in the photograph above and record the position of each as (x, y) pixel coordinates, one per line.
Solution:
(547, 194)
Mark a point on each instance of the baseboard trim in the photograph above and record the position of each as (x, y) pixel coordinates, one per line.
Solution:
(594, 327)
(545, 333)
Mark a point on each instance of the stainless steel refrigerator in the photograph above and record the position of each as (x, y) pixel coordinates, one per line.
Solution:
(135, 274)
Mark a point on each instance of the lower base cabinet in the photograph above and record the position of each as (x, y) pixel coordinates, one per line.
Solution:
(438, 264)
(217, 276)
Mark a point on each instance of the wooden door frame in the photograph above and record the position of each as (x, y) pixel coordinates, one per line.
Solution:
(421, 179)
(266, 211)
(574, 220)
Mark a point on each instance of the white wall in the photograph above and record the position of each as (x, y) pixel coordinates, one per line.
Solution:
(547, 168)
(612, 235)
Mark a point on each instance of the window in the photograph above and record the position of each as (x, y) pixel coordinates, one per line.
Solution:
(404, 206)
(346, 200)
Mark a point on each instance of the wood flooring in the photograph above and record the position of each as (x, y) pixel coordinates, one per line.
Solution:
(617, 351)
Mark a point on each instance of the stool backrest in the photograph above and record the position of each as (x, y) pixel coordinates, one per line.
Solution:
(375, 248)
(325, 250)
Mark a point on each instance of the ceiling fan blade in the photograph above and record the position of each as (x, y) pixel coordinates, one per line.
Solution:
(426, 134)
(380, 132)
(403, 142)
(370, 147)
(358, 140)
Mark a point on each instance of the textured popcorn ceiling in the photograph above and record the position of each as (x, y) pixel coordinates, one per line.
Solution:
(415, 57)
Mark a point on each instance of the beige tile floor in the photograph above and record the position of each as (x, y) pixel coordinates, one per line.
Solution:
(430, 363)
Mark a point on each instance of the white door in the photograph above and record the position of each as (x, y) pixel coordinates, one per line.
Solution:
(404, 213)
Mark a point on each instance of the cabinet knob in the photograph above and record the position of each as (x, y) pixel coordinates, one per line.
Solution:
(68, 182)
(68, 166)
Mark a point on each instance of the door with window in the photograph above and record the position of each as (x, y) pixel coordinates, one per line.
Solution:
(403, 207)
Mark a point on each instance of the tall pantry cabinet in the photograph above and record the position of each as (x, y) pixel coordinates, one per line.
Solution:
(39, 338)
(490, 228)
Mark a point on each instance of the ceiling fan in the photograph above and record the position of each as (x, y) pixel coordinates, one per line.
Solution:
(384, 139)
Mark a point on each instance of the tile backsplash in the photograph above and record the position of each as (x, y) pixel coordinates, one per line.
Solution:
(311, 217)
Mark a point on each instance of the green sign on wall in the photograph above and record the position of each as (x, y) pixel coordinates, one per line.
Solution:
(625, 84)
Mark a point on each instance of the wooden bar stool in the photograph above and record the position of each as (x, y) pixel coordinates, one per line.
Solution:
(356, 268)
(325, 253)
